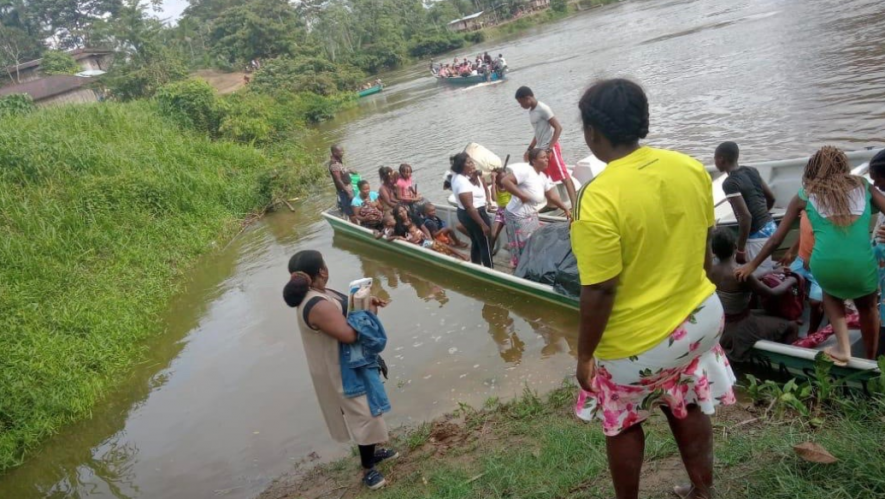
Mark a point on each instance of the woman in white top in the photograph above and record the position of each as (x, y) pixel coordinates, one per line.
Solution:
(470, 195)
(530, 187)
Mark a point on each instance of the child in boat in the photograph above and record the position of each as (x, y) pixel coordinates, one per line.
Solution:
(410, 232)
(388, 228)
(877, 173)
(368, 211)
(387, 192)
(437, 227)
(502, 198)
(839, 207)
(743, 326)
(406, 192)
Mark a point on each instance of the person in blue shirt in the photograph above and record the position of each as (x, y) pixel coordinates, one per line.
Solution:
(367, 208)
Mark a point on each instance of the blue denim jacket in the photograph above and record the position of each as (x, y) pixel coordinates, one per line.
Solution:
(360, 371)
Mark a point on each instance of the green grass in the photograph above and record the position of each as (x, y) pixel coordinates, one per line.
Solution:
(535, 448)
(103, 208)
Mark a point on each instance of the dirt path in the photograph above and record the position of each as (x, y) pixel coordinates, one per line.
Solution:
(514, 435)
(225, 83)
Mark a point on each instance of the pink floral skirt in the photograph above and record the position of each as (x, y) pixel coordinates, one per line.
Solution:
(687, 367)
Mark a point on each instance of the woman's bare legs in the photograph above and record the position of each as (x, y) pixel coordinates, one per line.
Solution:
(694, 437)
(835, 310)
(868, 310)
(625, 453)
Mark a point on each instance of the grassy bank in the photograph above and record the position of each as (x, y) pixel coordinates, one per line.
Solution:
(536, 448)
(103, 208)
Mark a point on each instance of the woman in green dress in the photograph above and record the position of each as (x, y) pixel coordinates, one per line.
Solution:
(838, 205)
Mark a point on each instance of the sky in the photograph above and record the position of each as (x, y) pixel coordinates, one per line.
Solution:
(172, 9)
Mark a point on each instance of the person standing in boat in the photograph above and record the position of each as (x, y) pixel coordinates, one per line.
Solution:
(839, 207)
(470, 195)
(322, 321)
(341, 179)
(547, 132)
(743, 326)
(529, 187)
(650, 317)
(751, 200)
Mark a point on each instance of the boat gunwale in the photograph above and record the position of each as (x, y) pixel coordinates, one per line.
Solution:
(519, 285)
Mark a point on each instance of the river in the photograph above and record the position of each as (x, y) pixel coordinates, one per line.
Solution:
(224, 403)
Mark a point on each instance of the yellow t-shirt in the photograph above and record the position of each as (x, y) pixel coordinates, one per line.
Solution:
(645, 218)
(502, 198)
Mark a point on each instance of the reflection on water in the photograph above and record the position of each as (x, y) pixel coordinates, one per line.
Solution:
(224, 403)
(502, 329)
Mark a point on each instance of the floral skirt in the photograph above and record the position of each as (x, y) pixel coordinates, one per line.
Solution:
(519, 230)
(687, 367)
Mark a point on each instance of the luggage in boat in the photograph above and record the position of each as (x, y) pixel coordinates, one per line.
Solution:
(548, 259)
(485, 160)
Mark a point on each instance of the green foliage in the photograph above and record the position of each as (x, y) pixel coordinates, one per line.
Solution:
(435, 44)
(475, 37)
(560, 6)
(20, 41)
(256, 29)
(810, 397)
(376, 58)
(317, 108)
(57, 62)
(191, 103)
(305, 74)
(141, 78)
(104, 208)
(143, 62)
(16, 104)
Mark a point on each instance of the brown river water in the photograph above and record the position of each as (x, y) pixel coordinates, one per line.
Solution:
(224, 404)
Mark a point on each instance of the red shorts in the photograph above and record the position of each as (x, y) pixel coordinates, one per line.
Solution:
(556, 165)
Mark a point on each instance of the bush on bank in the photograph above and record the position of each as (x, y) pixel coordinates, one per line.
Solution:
(102, 209)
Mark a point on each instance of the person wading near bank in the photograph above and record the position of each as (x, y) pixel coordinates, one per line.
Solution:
(547, 132)
(650, 319)
(341, 179)
(322, 321)
(751, 200)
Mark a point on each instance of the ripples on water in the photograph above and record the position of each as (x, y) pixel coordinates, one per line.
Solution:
(224, 404)
(779, 77)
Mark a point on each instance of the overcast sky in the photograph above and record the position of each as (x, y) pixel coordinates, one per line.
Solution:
(172, 9)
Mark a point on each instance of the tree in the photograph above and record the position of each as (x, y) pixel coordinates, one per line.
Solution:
(16, 47)
(258, 29)
(56, 62)
(143, 62)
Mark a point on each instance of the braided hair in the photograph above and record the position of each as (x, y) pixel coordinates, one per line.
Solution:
(828, 178)
(618, 109)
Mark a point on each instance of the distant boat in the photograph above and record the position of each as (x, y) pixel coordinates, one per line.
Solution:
(371, 91)
(463, 81)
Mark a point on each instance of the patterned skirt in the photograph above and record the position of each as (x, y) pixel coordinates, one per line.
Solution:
(519, 230)
(687, 367)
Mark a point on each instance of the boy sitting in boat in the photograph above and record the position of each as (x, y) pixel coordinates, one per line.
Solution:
(437, 227)
(388, 228)
(406, 230)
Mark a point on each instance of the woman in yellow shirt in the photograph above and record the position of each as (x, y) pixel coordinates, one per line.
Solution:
(650, 318)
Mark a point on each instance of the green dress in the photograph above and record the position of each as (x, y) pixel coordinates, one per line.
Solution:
(842, 260)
